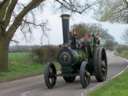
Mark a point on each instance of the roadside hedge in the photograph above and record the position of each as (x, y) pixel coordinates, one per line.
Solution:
(45, 54)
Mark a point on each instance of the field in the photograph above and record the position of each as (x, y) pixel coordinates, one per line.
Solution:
(21, 65)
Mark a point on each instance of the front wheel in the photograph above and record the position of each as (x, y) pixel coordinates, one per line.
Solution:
(50, 76)
(84, 75)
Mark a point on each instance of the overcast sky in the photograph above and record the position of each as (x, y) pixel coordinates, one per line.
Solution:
(55, 33)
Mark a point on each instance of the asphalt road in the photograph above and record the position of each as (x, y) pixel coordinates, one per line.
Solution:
(35, 86)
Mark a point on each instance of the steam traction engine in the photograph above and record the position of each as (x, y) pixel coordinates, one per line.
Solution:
(77, 57)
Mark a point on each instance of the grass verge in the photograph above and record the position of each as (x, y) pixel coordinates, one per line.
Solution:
(21, 65)
(117, 86)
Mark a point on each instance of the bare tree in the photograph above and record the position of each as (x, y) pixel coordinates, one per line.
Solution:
(11, 20)
(113, 10)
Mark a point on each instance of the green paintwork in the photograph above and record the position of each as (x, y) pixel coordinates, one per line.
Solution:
(78, 55)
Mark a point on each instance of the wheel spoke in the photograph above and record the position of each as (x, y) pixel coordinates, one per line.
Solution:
(50, 76)
(103, 68)
(84, 75)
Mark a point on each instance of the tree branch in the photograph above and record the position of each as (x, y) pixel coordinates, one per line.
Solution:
(6, 9)
(2, 3)
(70, 6)
(67, 6)
(126, 2)
(9, 12)
(18, 20)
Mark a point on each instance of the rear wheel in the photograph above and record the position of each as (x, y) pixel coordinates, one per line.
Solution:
(69, 79)
(100, 65)
(50, 76)
(84, 75)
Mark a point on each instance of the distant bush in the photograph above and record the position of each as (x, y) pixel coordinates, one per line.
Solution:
(121, 48)
(22, 48)
(110, 44)
(45, 54)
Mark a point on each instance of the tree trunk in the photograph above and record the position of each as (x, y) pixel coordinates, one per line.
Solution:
(3, 54)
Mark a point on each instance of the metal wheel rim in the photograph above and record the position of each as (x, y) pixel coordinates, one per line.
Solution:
(51, 76)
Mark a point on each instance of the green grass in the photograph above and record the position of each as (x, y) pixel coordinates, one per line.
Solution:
(21, 65)
(124, 53)
(116, 87)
